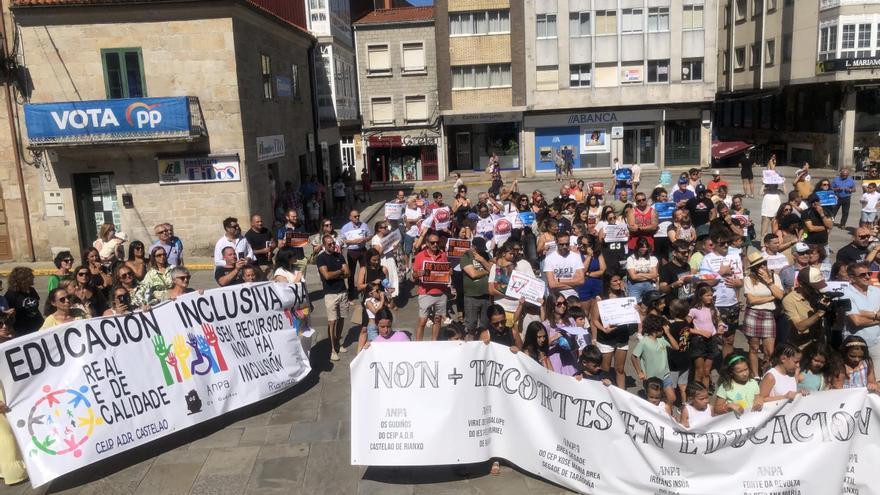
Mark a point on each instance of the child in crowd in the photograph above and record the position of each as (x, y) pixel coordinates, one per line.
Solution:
(780, 381)
(451, 333)
(578, 319)
(590, 366)
(737, 391)
(679, 359)
(858, 368)
(649, 357)
(815, 365)
(696, 411)
(372, 305)
(536, 345)
(654, 395)
(705, 321)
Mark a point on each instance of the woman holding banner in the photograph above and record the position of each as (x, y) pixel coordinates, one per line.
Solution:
(154, 287)
(612, 341)
(385, 243)
(58, 309)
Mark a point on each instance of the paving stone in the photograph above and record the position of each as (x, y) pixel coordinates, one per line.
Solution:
(370, 487)
(280, 468)
(227, 437)
(288, 417)
(265, 435)
(226, 471)
(340, 411)
(125, 481)
(318, 431)
(173, 472)
(328, 469)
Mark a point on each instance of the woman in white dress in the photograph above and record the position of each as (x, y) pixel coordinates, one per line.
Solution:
(388, 260)
(773, 198)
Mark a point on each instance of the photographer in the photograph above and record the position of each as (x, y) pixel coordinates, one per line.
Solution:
(121, 303)
(863, 319)
(805, 307)
(230, 272)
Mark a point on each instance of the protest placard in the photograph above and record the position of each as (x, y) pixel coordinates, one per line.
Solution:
(527, 218)
(394, 211)
(581, 335)
(619, 311)
(390, 241)
(84, 391)
(296, 239)
(436, 272)
(455, 248)
(502, 405)
(827, 198)
(523, 286)
(772, 177)
(615, 232)
(442, 218)
(664, 210)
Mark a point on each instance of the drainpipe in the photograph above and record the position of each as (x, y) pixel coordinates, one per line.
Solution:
(15, 146)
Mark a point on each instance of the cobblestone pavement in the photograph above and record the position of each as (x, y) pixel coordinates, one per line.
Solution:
(298, 441)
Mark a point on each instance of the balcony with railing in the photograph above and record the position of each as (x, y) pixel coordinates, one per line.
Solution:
(830, 4)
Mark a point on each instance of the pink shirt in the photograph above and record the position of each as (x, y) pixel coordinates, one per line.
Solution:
(394, 337)
(703, 319)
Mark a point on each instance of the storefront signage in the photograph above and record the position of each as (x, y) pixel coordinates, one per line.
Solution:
(188, 170)
(594, 118)
(421, 140)
(128, 119)
(844, 64)
(482, 118)
(384, 141)
(269, 147)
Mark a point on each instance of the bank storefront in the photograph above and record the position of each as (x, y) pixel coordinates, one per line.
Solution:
(592, 139)
(395, 156)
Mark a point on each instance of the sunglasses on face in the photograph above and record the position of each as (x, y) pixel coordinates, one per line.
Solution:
(82, 274)
(862, 275)
(561, 303)
(328, 225)
(67, 260)
(160, 232)
(62, 299)
(159, 255)
(120, 297)
(498, 323)
(125, 275)
(184, 277)
(233, 227)
(864, 237)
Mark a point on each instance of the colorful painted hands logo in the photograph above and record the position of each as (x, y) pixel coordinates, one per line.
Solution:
(207, 357)
(61, 422)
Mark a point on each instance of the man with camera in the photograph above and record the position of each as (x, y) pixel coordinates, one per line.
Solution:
(231, 271)
(806, 307)
(863, 318)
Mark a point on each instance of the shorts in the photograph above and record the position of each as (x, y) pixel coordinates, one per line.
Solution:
(730, 317)
(372, 331)
(337, 306)
(702, 347)
(668, 381)
(679, 378)
(868, 216)
(608, 349)
(429, 304)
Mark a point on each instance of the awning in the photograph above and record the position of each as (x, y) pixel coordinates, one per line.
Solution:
(723, 149)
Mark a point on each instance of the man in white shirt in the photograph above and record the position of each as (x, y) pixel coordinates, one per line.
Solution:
(864, 319)
(232, 238)
(727, 270)
(869, 201)
(563, 268)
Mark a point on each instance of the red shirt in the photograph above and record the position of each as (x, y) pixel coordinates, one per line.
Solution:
(713, 185)
(431, 289)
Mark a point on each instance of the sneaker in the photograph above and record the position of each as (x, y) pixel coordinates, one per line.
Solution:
(334, 356)
(447, 321)
(343, 349)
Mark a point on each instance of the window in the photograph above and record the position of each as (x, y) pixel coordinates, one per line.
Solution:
(771, 53)
(579, 24)
(294, 82)
(378, 60)
(579, 75)
(123, 73)
(547, 78)
(658, 19)
(416, 109)
(855, 41)
(546, 27)
(266, 71)
(726, 62)
(755, 56)
(318, 4)
(739, 57)
(631, 21)
(413, 57)
(691, 69)
(742, 7)
(481, 76)
(786, 48)
(606, 22)
(470, 23)
(726, 15)
(828, 42)
(382, 110)
(658, 71)
(692, 17)
(771, 5)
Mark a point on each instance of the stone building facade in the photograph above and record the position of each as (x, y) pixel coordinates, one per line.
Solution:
(397, 78)
(245, 75)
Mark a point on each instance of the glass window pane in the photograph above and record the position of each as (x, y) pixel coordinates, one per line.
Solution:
(468, 77)
(482, 23)
(114, 75)
(133, 75)
(481, 76)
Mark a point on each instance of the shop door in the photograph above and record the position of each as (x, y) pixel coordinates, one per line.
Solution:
(463, 151)
(429, 163)
(95, 203)
(639, 145)
(5, 243)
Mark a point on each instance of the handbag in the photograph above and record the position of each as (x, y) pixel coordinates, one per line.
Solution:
(357, 313)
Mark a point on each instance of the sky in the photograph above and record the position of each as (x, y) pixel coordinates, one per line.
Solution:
(421, 2)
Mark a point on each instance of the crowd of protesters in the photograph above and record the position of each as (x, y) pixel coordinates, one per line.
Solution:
(699, 265)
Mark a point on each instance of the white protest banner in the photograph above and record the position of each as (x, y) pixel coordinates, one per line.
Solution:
(523, 286)
(357, 233)
(394, 211)
(390, 241)
(438, 403)
(82, 392)
(616, 232)
(775, 262)
(618, 311)
(836, 286)
(772, 177)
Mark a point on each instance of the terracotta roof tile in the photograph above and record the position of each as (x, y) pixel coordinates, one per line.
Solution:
(40, 3)
(398, 15)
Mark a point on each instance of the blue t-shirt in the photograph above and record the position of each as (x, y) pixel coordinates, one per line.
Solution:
(680, 195)
(843, 188)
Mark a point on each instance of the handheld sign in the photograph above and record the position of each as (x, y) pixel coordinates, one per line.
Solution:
(455, 248)
(619, 311)
(616, 233)
(389, 241)
(827, 198)
(394, 211)
(772, 177)
(436, 272)
(664, 210)
(296, 239)
(522, 286)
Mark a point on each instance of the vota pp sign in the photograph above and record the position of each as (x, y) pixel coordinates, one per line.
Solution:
(107, 120)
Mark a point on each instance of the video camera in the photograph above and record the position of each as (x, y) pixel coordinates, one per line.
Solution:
(834, 301)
